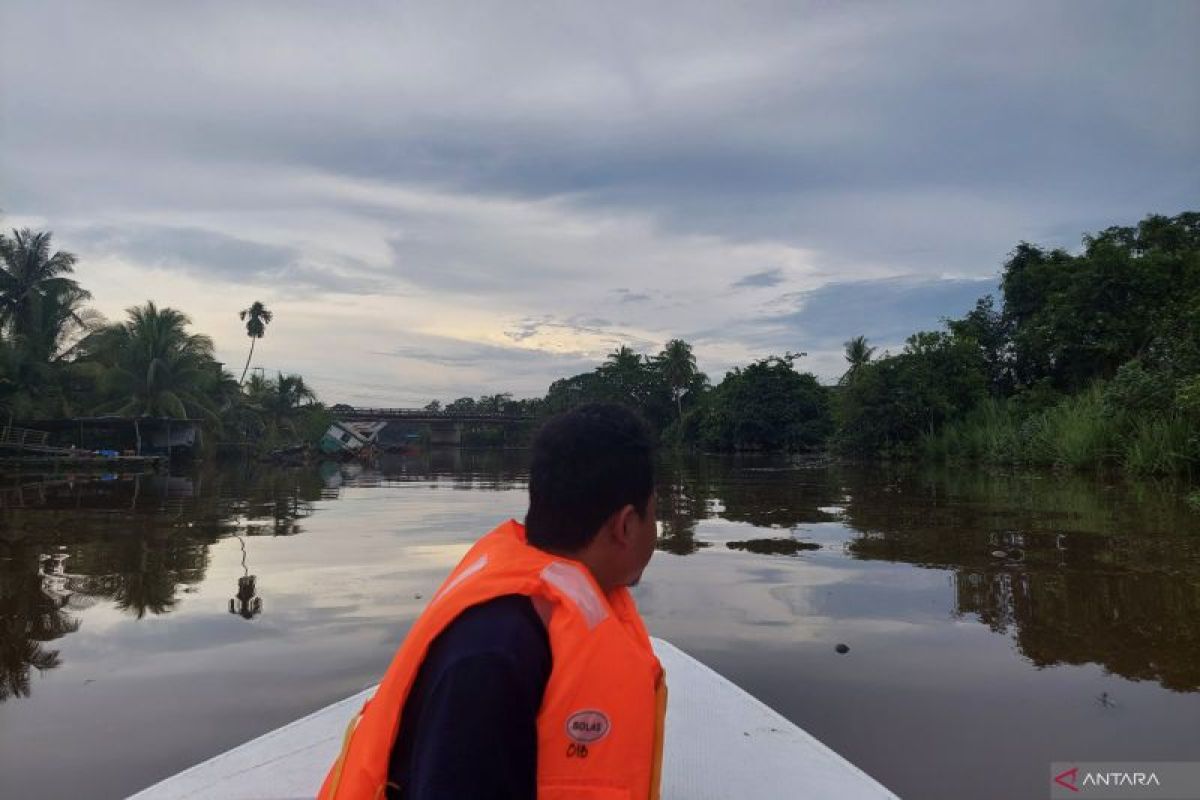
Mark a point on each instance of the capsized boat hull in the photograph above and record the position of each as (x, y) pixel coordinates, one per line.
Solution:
(720, 743)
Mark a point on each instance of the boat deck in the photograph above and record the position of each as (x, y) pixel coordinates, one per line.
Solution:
(720, 743)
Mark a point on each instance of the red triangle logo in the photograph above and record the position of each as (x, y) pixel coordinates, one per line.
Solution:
(1067, 778)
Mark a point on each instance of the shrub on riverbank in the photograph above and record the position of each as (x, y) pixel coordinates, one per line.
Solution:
(1092, 359)
(1083, 431)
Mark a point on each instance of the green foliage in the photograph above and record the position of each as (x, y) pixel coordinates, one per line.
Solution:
(1161, 445)
(1187, 397)
(662, 388)
(677, 366)
(58, 358)
(1133, 292)
(1078, 432)
(888, 404)
(858, 355)
(767, 405)
(42, 317)
(1135, 389)
(989, 433)
(1093, 360)
(1084, 431)
(280, 410)
(150, 365)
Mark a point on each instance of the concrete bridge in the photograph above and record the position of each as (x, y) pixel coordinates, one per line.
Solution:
(445, 427)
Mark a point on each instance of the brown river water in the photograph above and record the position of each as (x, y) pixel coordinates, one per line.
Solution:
(995, 622)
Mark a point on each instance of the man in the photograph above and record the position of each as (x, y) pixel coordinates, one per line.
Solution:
(530, 673)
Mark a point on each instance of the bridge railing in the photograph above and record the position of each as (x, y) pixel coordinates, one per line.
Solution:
(358, 411)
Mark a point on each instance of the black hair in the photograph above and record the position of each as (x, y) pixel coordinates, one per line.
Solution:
(585, 465)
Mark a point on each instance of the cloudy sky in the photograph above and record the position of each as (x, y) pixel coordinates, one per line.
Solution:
(439, 199)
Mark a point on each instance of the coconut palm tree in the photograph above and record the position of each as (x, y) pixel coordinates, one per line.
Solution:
(623, 359)
(256, 317)
(278, 402)
(678, 365)
(35, 368)
(29, 274)
(858, 354)
(151, 366)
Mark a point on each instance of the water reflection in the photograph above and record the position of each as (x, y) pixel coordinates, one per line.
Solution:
(773, 547)
(1074, 570)
(33, 611)
(134, 541)
(247, 604)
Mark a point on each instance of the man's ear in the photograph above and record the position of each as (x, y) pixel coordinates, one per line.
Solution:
(623, 529)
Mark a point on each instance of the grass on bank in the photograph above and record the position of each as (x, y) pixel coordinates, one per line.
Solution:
(1079, 432)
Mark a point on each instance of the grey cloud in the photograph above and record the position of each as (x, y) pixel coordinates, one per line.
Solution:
(764, 279)
(885, 311)
(818, 322)
(880, 140)
(209, 253)
(578, 324)
(454, 353)
(628, 296)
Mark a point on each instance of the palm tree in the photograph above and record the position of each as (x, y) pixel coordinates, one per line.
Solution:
(151, 365)
(278, 401)
(858, 354)
(257, 317)
(678, 365)
(35, 368)
(29, 274)
(623, 359)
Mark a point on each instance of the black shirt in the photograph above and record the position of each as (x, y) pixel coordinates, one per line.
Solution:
(469, 726)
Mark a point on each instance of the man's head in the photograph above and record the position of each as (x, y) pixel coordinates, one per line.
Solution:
(591, 491)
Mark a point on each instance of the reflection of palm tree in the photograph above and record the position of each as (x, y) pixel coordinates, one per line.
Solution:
(149, 587)
(140, 573)
(29, 616)
(682, 503)
(247, 604)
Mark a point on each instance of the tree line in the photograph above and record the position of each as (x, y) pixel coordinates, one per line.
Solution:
(59, 358)
(1084, 360)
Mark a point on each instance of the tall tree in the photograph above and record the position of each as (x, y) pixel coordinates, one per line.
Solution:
(678, 365)
(256, 317)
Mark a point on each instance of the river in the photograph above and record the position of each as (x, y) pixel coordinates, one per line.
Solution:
(995, 622)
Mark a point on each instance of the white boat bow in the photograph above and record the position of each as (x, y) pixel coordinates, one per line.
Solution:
(720, 743)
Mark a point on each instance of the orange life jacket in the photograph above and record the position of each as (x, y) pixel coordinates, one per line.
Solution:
(600, 726)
